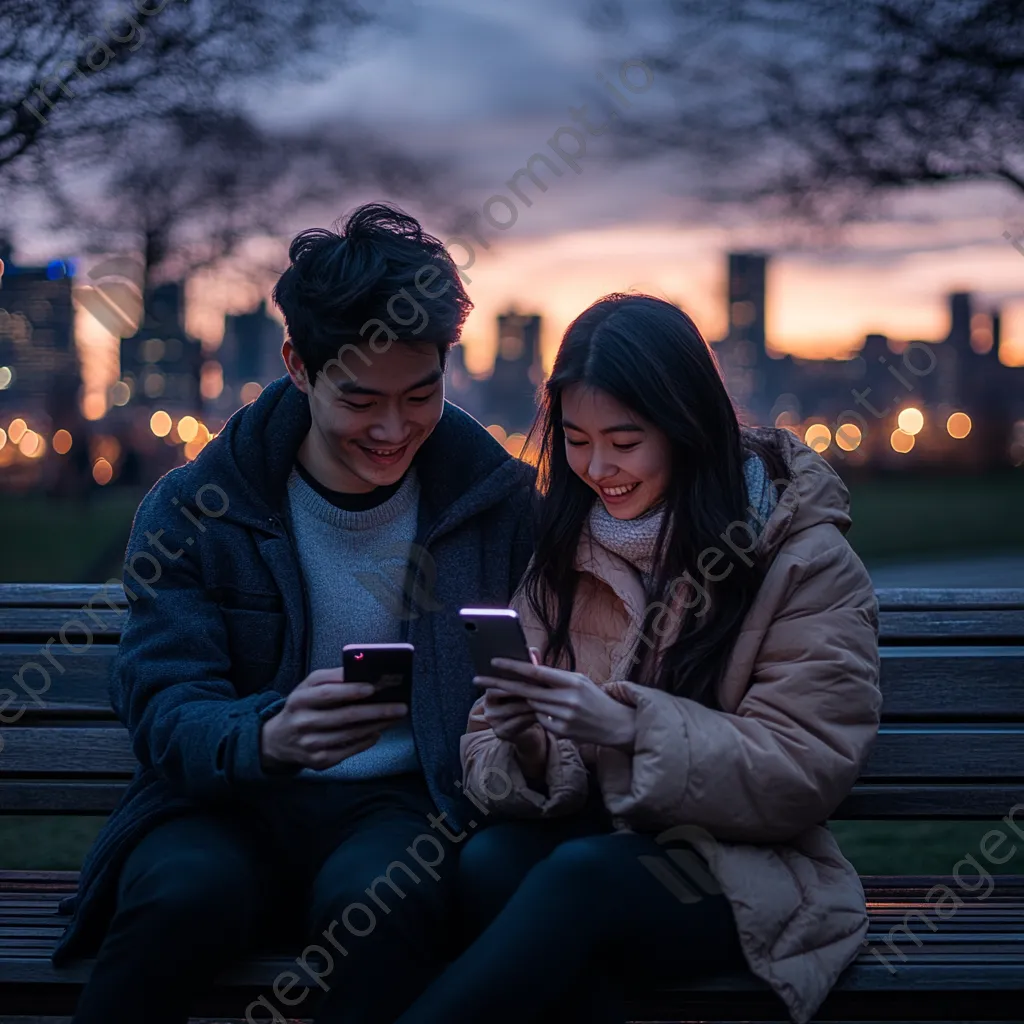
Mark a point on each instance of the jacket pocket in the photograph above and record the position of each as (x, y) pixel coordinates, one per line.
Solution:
(255, 645)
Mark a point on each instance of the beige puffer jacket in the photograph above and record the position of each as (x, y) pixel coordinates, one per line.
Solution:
(801, 705)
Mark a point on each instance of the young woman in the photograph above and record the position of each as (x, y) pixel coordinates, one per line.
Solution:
(706, 695)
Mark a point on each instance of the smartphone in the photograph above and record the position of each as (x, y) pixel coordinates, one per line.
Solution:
(493, 633)
(387, 666)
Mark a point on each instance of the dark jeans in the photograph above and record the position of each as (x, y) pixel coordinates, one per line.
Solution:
(566, 913)
(293, 863)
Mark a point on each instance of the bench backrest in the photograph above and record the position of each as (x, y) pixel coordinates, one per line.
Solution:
(951, 744)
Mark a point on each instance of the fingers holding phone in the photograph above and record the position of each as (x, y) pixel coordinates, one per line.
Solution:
(326, 720)
(508, 716)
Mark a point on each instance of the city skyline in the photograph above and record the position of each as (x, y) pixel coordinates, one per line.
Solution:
(821, 305)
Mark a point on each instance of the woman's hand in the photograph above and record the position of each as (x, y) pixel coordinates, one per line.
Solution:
(567, 704)
(512, 719)
(509, 717)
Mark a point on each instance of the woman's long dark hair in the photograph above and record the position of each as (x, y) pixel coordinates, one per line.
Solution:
(649, 355)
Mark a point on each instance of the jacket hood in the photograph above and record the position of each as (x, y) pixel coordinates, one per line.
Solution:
(461, 467)
(814, 495)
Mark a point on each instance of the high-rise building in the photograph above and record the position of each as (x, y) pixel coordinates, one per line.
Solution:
(747, 281)
(249, 358)
(39, 368)
(461, 387)
(160, 363)
(749, 374)
(518, 372)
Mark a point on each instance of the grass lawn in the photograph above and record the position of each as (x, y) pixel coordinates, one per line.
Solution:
(905, 517)
(48, 540)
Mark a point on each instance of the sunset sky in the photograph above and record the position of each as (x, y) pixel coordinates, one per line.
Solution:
(482, 88)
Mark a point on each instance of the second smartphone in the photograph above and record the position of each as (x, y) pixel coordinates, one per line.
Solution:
(493, 633)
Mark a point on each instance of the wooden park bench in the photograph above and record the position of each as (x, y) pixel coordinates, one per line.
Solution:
(951, 747)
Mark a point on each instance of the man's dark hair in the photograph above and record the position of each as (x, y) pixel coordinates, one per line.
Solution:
(379, 278)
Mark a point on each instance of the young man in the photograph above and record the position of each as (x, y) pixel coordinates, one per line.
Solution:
(348, 504)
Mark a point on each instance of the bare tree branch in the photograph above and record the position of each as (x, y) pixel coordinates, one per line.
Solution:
(71, 74)
(825, 103)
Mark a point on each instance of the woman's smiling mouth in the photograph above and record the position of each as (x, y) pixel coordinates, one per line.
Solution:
(614, 495)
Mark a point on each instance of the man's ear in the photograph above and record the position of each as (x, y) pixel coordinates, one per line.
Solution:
(296, 367)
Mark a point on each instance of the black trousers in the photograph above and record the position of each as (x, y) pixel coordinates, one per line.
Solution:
(353, 869)
(566, 915)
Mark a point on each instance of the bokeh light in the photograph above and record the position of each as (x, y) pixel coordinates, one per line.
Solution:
(62, 442)
(31, 445)
(251, 391)
(901, 441)
(910, 420)
(958, 425)
(6, 376)
(102, 472)
(16, 430)
(514, 444)
(497, 431)
(120, 393)
(3, 438)
(188, 428)
(160, 423)
(818, 437)
(849, 436)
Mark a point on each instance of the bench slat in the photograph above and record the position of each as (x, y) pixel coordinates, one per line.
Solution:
(919, 683)
(894, 626)
(952, 801)
(77, 626)
(988, 969)
(81, 686)
(964, 752)
(67, 750)
(58, 595)
(926, 598)
(940, 598)
(952, 626)
(919, 752)
(27, 796)
(874, 802)
(952, 683)
(924, 684)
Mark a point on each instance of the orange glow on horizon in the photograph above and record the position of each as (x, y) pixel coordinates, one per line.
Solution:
(816, 307)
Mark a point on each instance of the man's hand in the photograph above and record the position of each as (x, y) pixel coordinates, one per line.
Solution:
(317, 730)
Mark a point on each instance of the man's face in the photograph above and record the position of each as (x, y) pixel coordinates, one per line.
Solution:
(371, 412)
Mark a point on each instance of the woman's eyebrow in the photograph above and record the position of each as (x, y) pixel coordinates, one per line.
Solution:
(632, 427)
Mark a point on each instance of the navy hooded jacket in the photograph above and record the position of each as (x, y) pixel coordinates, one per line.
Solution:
(216, 634)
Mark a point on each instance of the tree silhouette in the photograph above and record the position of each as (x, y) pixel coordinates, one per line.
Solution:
(74, 81)
(825, 103)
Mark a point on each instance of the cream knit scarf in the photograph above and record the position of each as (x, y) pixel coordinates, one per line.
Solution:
(634, 539)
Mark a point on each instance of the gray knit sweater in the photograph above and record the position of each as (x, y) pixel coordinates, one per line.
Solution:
(353, 566)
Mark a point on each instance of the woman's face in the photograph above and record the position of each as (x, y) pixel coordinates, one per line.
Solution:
(624, 458)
